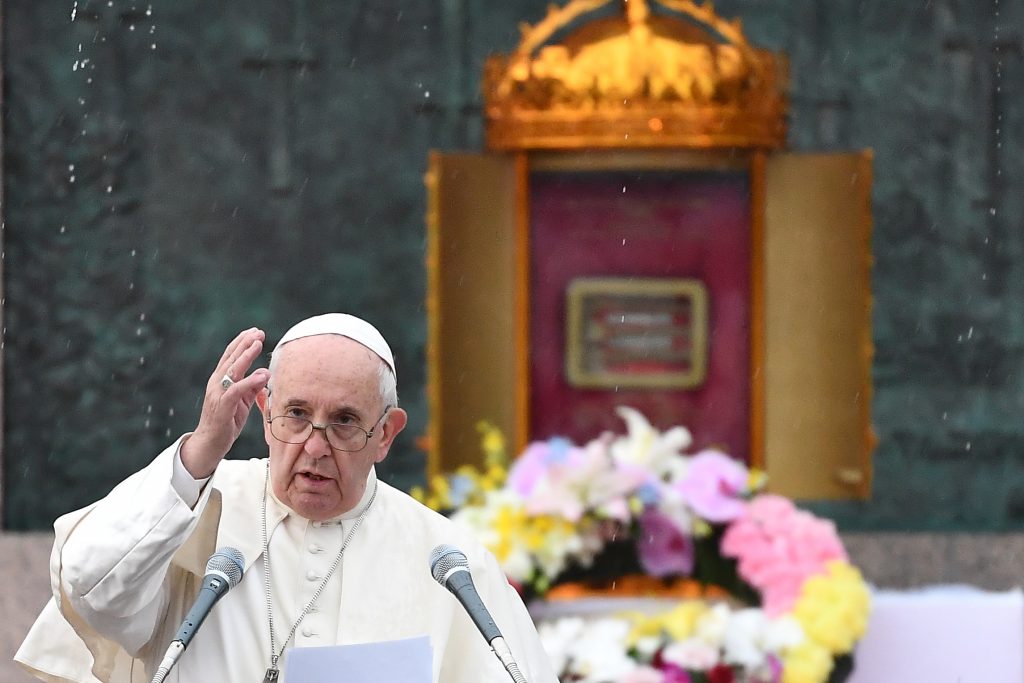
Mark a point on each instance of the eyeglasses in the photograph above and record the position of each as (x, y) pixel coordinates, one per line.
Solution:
(341, 437)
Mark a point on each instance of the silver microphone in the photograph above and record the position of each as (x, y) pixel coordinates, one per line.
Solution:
(450, 568)
(223, 572)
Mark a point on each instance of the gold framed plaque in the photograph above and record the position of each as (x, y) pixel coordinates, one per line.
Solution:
(636, 333)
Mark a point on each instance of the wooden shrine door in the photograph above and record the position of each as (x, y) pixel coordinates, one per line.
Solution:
(725, 293)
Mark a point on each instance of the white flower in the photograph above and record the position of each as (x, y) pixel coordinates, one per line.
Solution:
(692, 654)
(599, 654)
(558, 638)
(782, 633)
(743, 638)
(711, 625)
(649, 449)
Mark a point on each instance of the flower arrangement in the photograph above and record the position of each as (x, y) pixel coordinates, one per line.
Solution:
(767, 593)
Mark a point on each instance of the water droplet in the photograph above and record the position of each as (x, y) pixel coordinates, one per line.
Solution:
(623, 189)
(968, 446)
(992, 211)
(426, 93)
(153, 46)
(970, 332)
(623, 241)
(133, 252)
(63, 229)
(72, 178)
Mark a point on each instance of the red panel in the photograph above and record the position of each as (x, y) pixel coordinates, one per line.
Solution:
(643, 225)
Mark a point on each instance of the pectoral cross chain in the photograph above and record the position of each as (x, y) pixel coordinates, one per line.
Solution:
(271, 676)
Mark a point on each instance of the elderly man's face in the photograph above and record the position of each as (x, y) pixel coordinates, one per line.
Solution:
(326, 378)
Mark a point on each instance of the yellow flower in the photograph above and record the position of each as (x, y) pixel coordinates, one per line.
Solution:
(492, 443)
(678, 623)
(806, 663)
(756, 480)
(833, 608)
(681, 621)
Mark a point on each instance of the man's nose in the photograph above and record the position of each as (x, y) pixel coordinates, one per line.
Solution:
(316, 444)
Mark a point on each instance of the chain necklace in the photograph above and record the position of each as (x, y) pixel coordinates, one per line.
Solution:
(273, 672)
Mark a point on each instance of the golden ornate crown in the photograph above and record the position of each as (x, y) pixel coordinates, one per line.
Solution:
(641, 79)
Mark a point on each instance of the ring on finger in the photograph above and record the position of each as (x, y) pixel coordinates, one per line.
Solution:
(226, 381)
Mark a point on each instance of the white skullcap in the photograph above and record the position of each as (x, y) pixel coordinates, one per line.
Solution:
(345, 325)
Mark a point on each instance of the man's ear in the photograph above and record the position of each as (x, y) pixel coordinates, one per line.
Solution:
(390, 427)
(263, 400)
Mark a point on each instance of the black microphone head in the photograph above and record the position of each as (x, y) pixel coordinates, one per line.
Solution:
(229, 562)
(445, 558)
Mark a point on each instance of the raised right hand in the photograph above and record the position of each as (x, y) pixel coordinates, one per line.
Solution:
(225, 411)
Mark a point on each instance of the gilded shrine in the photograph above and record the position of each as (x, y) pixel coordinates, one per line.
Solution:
(636, 234)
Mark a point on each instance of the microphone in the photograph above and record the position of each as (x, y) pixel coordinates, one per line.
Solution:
(223, 572)
(449, 567)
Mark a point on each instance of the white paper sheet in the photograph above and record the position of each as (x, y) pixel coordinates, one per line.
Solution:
(393, 661)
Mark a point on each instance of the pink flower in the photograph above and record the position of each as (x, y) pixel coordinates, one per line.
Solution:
(530, 467)
(778, 548)
(663, 549)
(643, 674)
(674, 674)
(713, 485)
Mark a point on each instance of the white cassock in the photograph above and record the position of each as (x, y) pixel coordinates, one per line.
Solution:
(126, 570)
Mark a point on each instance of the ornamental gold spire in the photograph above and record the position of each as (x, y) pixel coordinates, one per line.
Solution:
(666, 73)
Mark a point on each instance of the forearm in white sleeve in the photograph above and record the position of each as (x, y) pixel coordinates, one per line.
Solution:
(114, 564)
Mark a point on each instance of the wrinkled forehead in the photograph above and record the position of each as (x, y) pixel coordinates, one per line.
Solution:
(326, 354)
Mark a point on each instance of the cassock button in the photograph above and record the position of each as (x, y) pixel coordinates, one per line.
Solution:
(314, 548)
(308, 632)
(312, 575)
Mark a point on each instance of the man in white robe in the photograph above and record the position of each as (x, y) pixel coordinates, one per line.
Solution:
(126, 569)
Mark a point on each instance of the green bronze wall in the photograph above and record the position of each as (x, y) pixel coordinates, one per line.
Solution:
(175, 173)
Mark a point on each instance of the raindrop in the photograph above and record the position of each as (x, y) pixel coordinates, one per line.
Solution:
(63, 229)
(970, 332)
(968, 446)
(110, 188)
(153, 46)
(142, 360)
(133, 253)
(131, 27)
(74, 12)
(992, 211)
(142, 316)
(71, 167)
(623, 189)
(72, 178)
(149, 11)
(945, 416)
(426, 93)
(170, 412)
(623, 241)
